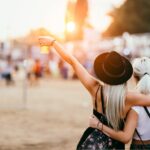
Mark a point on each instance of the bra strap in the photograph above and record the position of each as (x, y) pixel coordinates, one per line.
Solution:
(96, 97)
(102, 99)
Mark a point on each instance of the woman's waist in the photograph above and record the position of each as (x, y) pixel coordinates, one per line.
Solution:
(140, 142)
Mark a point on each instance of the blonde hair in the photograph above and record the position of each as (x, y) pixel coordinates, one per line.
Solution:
(115, 104)
(141, 69)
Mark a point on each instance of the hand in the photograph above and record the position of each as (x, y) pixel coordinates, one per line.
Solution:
(45, 40)
(93, 121)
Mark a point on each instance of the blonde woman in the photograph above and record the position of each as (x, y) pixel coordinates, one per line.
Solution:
(138, 117)
(112, 71)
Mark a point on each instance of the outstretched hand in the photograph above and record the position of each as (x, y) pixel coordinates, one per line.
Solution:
(45, 40)
(93, 121)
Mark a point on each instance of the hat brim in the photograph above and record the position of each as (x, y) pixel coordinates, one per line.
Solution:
(101, 75)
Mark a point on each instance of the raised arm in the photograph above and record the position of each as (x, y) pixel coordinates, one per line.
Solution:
(137, 99)
(89, 82)
(123, 136)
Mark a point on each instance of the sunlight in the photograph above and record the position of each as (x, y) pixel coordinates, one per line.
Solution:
(73, 1)
(105, 22)
(47, 18)
(70, 26)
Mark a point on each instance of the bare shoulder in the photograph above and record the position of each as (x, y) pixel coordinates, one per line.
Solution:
(95, 88)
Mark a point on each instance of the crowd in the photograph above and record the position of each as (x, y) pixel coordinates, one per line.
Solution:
(35, 68)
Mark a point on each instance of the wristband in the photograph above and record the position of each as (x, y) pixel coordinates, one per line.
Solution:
(98, 124)
(52, 43)
(101, 129)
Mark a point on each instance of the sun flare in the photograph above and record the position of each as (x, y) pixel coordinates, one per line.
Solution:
(105, 21)
(70, 27)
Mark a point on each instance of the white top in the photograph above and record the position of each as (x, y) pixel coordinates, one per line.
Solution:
(143, 126)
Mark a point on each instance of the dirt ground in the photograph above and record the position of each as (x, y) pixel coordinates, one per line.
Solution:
(53, 117)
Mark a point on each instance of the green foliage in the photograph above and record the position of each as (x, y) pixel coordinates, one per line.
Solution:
(133, 17)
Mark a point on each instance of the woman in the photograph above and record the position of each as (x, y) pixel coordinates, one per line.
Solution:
(114, 70)
(138, 117)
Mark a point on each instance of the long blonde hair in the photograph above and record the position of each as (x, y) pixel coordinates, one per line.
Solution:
(141, 69)
(115, 103)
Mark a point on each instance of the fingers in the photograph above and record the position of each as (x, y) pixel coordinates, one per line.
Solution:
(41, 43)
(45, 40)
(92, 116)
(44, 37)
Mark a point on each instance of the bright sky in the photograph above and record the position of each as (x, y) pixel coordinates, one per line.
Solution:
(18, 17)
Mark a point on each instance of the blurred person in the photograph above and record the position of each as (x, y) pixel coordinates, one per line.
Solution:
(37, 69)
(33, 70)
(53, 66)
(8, 70)
(15, 71)
(46, 70)
(63, 69)
(138, 119)
(112, 71)
(2, 64)
(29, 70)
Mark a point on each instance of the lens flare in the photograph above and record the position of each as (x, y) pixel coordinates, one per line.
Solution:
(70, 26)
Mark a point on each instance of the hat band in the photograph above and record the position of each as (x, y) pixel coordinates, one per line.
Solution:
(111, 75)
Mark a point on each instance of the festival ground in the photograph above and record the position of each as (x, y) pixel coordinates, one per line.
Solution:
(53, 117)
(56, 114)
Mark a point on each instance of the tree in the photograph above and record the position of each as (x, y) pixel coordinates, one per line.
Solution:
(133, 17)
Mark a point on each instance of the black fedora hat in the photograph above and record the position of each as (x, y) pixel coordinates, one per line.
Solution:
(112, 68)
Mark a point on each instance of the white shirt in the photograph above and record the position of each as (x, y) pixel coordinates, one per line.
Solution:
(143, 126)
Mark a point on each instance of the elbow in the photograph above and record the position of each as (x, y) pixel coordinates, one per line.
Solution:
(126, 139)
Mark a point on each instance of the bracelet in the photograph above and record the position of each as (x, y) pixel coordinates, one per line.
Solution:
(101, 126)
(97, 124)
(52, 43)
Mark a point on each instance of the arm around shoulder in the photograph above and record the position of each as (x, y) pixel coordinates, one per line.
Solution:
(137, 99)
(126, 135)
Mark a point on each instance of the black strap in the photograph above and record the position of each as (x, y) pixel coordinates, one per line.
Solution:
(137, 130)
(147, 111)
(96, 97)
(140, 138)
(102, 99)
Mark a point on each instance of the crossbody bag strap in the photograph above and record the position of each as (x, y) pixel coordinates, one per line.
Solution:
(147, 111)
(140, 137)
